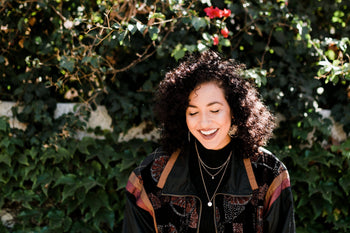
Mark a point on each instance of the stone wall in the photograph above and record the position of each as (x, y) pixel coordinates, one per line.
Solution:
(99, 118)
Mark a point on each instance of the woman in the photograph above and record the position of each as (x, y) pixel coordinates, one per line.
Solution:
(211, 173)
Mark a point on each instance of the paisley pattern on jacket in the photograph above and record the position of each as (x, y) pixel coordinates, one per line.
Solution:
(174, 210)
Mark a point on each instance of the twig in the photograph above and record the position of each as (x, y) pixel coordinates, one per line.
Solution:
(268, 43)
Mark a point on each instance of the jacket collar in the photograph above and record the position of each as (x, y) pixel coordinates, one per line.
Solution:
(175, 180)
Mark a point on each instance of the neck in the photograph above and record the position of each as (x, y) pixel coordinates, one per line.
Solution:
(214, 157)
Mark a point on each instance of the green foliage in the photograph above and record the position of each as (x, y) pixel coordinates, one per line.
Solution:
(114, 53)
(60, 184)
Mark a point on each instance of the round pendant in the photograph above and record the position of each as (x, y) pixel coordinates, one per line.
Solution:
(212, 177)
(210, 203)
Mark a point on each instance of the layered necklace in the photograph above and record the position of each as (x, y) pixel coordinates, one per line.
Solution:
(215, 171)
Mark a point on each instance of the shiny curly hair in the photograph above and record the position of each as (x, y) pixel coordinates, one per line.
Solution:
(254, 121)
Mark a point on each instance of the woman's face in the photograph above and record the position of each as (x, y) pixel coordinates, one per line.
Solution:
(208, 116)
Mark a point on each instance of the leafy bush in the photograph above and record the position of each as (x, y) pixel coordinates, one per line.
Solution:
(114, 53)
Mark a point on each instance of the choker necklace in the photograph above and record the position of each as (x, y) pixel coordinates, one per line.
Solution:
(206, 167)
(210, 203)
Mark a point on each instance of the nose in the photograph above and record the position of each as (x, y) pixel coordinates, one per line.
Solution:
(205, 121)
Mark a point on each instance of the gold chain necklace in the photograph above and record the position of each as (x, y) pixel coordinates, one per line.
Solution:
(206, 167)
(210, 203)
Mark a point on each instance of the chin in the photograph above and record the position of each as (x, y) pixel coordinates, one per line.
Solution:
(210, 146)
(214, 145)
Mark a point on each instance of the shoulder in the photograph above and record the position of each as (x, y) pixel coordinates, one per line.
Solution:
(157, 159)
(268, 163)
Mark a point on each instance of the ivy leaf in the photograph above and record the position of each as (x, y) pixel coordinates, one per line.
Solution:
(89, 183)
(80, 194)
(344, 148)
(32, 152)
(206, 36)
(85, 143)
(331, 54)
(132, 28)
(67, 223)
(86, 59)
(141, 27)
(327, 189)
(3, 179)
(153, 32)
(257, 74)
(68, 179)
(55, 217)
(105, 215)
(116, 26)
(156, 15)
(22, 159)
(6, 142)
(3, 124)
(96, 201)
(198, 23)
(122, 36)
(178, 52)
(47, 154)
(191, 48)
(62, 153)
(126, 163)
(69, 191)
(43, 178)
(67, 63)
(345, 183)
(105, 155)
(225, 42)
(95, 167)
(5, 158)
(317, 205)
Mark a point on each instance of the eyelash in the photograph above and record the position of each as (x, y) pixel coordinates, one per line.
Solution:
(192, 114)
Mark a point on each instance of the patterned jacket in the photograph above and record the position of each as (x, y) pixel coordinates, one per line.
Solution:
(256, 198)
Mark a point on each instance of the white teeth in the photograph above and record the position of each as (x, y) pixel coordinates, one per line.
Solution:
(209, 132)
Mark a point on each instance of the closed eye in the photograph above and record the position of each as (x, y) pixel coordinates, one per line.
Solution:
(193, 113)
(215, 111)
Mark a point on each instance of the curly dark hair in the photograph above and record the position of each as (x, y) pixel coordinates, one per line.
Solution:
(254, 121)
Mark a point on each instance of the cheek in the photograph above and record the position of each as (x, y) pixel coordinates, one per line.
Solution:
(191, 123)
(188, 122)
(226, 120)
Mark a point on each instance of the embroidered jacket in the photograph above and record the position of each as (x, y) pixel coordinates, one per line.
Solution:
(256, 198)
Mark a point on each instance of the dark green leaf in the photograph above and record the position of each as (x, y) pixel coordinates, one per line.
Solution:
(198, 23)
(67, 63)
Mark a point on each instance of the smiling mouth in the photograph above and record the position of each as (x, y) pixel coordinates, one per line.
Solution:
(208, 132)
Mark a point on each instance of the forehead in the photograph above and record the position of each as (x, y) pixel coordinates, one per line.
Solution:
(207, 92)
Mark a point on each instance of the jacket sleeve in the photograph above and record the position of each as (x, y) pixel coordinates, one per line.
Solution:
(138, 214)
(279, 217)
(136, 219)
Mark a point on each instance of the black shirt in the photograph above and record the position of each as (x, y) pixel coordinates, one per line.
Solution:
(212, 158)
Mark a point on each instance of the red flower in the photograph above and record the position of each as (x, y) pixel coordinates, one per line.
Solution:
(224, 32)
(216, 12)
(213, 12)
(215, 40)
(226, 13)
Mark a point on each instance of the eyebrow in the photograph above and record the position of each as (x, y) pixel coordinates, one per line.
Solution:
(208, 105)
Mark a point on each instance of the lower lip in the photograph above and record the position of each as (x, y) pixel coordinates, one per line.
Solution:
(210, 136)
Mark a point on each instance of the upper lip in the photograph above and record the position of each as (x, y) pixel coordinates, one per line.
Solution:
(208, 131)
